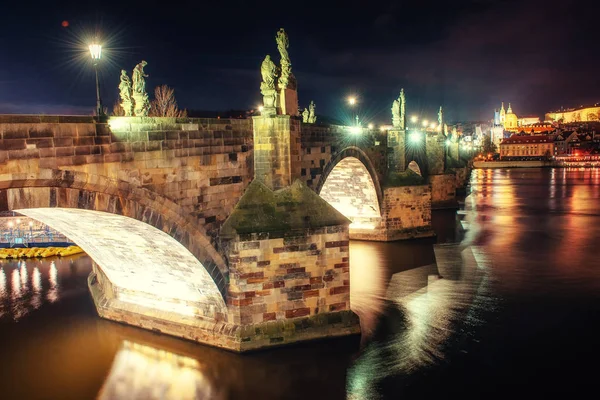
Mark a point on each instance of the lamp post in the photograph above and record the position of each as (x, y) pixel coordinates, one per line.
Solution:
(96, 53)
(352, 102)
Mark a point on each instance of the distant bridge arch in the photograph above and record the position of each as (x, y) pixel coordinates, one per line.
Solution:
(350, 183)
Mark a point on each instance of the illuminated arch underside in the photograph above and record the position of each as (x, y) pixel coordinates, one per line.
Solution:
(350, 189)
(146, 266)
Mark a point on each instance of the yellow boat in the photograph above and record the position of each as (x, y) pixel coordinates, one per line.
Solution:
(34, 252)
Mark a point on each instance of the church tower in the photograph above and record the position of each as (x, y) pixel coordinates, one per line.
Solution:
(502, 114)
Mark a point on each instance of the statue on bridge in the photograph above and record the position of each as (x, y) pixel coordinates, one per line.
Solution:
(402, 109)
(286, 66)
(396, 114)
(440, 117)
(287, 101)
(305, 115)
(142, 104)
(312, 118)
(268, 70)
(125, 93)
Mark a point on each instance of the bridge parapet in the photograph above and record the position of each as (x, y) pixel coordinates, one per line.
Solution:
(202, 164)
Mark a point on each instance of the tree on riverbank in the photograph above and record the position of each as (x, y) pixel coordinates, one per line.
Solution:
(488, 146)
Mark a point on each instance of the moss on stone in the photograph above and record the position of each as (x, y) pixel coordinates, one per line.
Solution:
(406, 178)
(295, 207)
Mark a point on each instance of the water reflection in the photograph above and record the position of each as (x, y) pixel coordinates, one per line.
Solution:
(423, 314)
(144, 372)
(511, 306)
(33, 282)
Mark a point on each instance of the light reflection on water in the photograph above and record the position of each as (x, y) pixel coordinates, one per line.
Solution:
(33, 282)
(509, 303)
(144, 372)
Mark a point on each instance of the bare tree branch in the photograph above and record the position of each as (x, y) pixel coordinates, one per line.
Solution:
(164, 103)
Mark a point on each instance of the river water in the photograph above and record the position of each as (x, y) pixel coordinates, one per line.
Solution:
(506, 308)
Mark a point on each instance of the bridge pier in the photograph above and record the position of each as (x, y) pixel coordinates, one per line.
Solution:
(287, 250)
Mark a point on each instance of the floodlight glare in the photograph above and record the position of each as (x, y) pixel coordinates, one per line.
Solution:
(415, 137)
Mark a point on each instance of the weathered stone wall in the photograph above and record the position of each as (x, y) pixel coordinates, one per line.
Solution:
(299, 275)
(405, 214)
(443, 190)
(462, 175)
(434, 147)
(202, 165)
(396, 141)
(276, 150)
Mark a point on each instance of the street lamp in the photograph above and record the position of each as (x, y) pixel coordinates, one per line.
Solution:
(96, 53)
(414, 119)
(352, 102)
(424, 123)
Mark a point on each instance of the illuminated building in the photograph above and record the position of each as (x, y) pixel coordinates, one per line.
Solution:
(532, 120)
(582, 114)
(509, 121)
(527, 146)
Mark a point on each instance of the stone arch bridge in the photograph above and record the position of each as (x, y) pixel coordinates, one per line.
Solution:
(161, 206)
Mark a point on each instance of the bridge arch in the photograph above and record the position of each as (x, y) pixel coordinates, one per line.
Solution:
(350, 183)
(53, 192)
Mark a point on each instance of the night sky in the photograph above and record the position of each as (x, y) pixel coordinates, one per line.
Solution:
(465, 55)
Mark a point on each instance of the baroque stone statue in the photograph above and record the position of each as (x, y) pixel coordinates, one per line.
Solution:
(396, 114)
(286, 66)
(125, 93)
(305, 115)
(139, 83)
(268, 71)
(440, 117)
(402, 109)
(312, 118)
(140, 97)
(269, 74)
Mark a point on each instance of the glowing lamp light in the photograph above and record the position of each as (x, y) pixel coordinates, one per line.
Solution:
(432, 126)
(425, 123)
(10, 224)
(370, 126)
(30, 223)
(260, 108)
(448, 142)
(95, 51)
(18, 220)
(355, 130)
(382, 128)
(415, 137)
(352, 100)
(414, 119)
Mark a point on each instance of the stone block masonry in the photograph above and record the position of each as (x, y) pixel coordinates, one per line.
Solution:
(443, 191)
(289, 267)
(405, 214)
(297, 275)
(203, 165)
